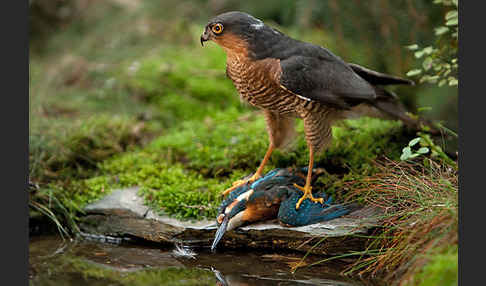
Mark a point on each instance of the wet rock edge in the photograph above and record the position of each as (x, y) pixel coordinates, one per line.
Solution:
(123, 214)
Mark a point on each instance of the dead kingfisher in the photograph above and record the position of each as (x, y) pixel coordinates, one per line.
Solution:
(274, 196)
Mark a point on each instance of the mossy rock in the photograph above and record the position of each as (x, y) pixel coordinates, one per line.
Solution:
(122, 214)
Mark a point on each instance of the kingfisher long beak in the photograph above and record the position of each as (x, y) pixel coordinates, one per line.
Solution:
(220, 232)
(231, 217)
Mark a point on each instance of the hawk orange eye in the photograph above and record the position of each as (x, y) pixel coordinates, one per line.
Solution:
(217, 28)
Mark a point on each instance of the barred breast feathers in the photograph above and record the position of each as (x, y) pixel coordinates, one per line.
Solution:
(258, 83)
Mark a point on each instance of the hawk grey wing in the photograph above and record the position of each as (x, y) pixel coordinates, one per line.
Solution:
(378, 78)
(325, 79)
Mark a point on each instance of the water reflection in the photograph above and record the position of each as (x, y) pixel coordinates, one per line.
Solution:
(230, 268)
(247, 280)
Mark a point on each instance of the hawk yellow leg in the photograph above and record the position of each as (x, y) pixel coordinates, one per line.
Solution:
(307, 189)
(255, 176)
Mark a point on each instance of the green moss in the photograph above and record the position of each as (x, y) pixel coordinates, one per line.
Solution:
(232, 140)
(171, 189)
(183, 171)
(65, 149)
(217, 145)
(196, 73)
(442, 269)
(356, 143)
(168, 188)
(159, 84)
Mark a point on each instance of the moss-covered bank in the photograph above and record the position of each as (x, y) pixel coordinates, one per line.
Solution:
(183, 172)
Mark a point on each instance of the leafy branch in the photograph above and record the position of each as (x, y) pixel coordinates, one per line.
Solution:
(440, 64)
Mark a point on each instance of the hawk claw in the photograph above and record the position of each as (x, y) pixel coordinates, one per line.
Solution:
(240, 183)
(307, 189)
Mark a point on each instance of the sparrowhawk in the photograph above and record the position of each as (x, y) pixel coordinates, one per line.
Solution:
(288, 78)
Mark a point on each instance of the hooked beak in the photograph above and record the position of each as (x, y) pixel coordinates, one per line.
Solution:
(205, 37)
(220, 232)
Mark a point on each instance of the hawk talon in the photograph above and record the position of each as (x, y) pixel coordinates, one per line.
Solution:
(307, 189)
(239, 183)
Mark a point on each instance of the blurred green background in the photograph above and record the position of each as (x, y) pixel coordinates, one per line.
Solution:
(107, 77)
(83, 34)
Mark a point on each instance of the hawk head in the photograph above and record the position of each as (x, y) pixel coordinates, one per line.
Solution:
(239, 32)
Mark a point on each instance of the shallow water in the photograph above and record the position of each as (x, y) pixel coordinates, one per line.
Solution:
(53, 261)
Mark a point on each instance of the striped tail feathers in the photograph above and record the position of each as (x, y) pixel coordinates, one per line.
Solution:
(377, 78)
(388, 103)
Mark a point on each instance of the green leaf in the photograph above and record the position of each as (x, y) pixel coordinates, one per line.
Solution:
(414, 141)
(430, 79)
(414, 72)
(451, 14)
(406, 153)
(424, 108)
(427, 64)
(428, 50)
(423, 150)
(412, 47)
(452, 22)
(441, 30)
(419, 54)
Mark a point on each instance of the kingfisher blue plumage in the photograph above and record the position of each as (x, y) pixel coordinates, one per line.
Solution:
(274, 195)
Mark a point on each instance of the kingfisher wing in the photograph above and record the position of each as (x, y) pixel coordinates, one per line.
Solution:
(310, 212)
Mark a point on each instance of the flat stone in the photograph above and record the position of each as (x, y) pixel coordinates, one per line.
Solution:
(122, 202)
(202, 224)
(123, 214)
